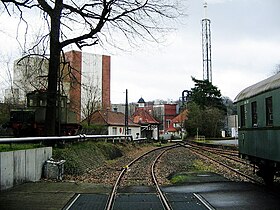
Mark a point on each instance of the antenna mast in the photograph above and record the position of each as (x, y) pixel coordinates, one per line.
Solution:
(206, 46)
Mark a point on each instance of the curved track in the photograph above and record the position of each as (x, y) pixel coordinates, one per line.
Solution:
(154, 156)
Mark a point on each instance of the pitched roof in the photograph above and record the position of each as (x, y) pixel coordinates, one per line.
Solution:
(178, 119)
(106, 117)
(172, 129)
(141, 100)
(181, 117)
(143, 117)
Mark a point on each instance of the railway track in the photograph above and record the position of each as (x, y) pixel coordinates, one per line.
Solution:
(227, 160)
(225, 153)
(130, 176)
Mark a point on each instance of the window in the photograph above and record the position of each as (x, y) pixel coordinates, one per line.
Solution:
(269, 114)
(32, 102)
(43, 102)
(254, 114)
(242, 116)
(114, 131)
(168, 123)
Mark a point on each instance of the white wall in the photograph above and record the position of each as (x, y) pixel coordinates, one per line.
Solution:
(121, 131)
(29, 73)
(91, 74)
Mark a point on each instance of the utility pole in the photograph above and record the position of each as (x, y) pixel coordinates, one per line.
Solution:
(206, 46)
(126, 113)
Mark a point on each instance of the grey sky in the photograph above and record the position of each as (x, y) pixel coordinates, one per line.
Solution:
(245, 49)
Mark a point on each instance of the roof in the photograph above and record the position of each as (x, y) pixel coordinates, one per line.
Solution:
(172, 129)
(180, 117)
(143, 117)
(268, 84)
(141, 100)
(106, 117)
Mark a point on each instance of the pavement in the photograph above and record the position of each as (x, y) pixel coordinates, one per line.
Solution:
(205, 191)
(45, 195)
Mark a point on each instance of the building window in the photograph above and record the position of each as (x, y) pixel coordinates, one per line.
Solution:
(269, 114)
(254, 114)
(168, 123)
(242, 116)
(114, 130)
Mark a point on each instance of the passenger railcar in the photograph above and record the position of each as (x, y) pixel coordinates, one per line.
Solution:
(30, 121)
(258, 108)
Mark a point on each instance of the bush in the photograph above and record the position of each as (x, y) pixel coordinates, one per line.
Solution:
(94, 129)
(84, 156)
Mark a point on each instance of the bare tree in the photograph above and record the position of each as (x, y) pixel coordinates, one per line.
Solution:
(10, 93)
(86, 23)
(30, 73)
(91, 102)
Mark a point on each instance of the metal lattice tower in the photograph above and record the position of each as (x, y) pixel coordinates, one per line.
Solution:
(206, 47)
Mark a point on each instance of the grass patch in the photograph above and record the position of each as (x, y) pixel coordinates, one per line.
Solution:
(180, 178)
(14, 147)
(84, 156)
(200, 166)
(196, 167)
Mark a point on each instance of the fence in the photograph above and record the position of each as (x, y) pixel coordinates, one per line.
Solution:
(81, 137)
(200, 138)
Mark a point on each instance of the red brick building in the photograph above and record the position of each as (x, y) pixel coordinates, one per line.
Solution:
(149, 125)
(164, 113)
(89, 72)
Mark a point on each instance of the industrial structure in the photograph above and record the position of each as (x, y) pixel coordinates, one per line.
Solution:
(206, 47)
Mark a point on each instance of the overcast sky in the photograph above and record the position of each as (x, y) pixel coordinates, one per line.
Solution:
(245, 49)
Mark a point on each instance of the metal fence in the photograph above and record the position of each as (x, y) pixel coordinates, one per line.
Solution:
(81, 137)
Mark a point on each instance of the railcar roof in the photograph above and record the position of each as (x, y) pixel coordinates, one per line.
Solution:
(270, 83)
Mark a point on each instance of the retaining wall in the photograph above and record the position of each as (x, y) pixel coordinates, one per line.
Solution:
(21, 166)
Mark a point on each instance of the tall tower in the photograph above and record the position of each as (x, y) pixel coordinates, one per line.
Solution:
(206, 47)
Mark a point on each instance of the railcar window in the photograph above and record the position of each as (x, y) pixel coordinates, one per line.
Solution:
(254, 114)
(32, 102)
(43, 102)
(269, 113)
(242, 116)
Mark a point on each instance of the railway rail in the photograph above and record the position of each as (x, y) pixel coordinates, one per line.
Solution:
(225, 153)
(125, 174)
(235, 165)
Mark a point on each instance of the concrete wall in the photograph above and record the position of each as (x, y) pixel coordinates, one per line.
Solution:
(21, 166)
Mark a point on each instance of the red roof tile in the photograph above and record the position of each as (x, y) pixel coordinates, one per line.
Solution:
(181, 117)
(141, 116)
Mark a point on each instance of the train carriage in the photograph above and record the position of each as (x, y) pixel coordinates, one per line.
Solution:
(258, 108)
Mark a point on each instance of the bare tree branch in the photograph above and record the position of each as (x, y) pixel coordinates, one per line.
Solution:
(89, 23)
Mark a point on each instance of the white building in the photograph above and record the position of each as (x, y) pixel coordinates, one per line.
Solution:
(85, 77)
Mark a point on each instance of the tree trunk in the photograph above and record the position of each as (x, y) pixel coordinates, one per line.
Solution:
(54, 64)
